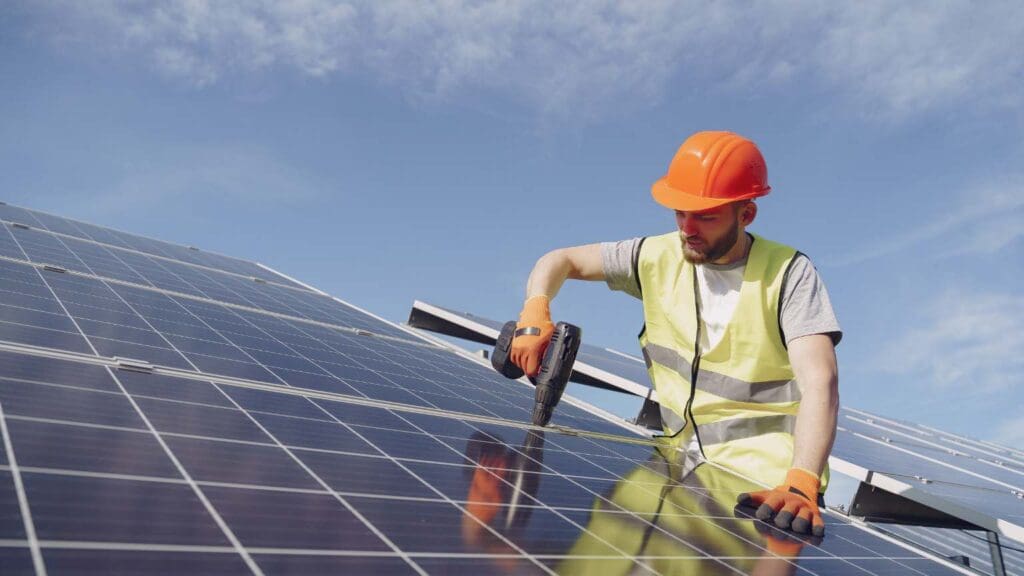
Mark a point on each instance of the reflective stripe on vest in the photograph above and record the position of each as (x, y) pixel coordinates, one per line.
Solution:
(744, 396)
(721, 385)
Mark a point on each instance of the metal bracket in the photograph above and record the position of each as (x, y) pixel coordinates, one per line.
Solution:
(20, 225)
(650, 415)
(876, 505)
(258, 280)
(133, 365)
(54, 268)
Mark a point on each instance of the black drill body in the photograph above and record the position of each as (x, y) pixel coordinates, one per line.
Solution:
(555, 368)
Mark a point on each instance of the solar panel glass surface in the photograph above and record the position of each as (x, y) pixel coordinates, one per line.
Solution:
(270, 441)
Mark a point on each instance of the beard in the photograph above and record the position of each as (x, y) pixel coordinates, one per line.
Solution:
(712, 252)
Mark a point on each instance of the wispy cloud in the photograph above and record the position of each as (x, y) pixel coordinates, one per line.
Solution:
(884, 58)
(983, 220)
(191, 177)
(964, 340)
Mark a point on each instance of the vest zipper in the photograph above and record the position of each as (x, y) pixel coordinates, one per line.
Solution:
(695, 365)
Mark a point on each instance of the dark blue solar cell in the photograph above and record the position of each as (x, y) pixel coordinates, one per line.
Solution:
(62, 403)
(417, 526)
(349, 372)
(170, 388)
(225, 367)
(265, 518)
(411, 445)
(35, 368)
(387, 393)
(364, 474)
(322, 382)
(364, 415)
(151, 354)
(72, 342)
(296, 564)
(16, 561)
(277, 403)
(66, 447)
(238, 463)
(118, 510)
(137, 336)
(313, 433)
(167, 416)
(216, 347)
(11, 525)
(41, 300)
(131, 562)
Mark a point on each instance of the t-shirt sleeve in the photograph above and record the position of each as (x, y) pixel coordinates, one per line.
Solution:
(619, 262)
(806, 308)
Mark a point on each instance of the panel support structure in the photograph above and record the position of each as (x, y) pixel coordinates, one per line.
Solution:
(998, 568)
(876, 505)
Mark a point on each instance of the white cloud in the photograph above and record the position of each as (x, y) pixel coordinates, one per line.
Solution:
(888, 59)
(984, 219)
(965, 340)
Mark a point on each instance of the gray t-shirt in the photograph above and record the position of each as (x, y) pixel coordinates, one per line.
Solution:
(806, 308)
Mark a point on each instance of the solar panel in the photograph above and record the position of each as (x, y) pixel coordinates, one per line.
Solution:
(978, 483)
(970, 544)
(147, 429)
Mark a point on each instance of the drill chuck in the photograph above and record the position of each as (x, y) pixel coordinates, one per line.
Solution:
(555, 368)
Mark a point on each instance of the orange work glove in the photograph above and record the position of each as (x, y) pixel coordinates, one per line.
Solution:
(794, 504)
(533, 333)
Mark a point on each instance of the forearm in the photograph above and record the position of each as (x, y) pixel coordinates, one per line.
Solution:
(815, 428)
(553, 268)
(814, 364)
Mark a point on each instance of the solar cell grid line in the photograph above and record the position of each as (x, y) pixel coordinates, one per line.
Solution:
(42, 247)
(598, 495)
(542, 505)
(287, 450)
(440, 493)
(142, 376)
(23, 505)
(198, 492)
(941, 440)
(80, 282)
(119, 239)
(938, 469)
(958, 457)
(383, 376)
(307, 469)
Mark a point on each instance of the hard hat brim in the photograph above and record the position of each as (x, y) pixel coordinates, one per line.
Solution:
(676, 199)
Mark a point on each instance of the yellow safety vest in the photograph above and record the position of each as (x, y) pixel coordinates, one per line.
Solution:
(741, 395)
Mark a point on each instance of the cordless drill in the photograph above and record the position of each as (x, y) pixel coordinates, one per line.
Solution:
(554, 369)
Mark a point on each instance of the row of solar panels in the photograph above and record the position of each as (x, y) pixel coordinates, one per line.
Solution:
(160, 415)
(957, 481)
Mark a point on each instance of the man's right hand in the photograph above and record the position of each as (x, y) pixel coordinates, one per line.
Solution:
(533, 333)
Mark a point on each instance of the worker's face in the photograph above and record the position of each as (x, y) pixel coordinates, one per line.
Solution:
(708, 235)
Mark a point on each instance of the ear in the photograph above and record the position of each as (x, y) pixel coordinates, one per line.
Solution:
(748, 213)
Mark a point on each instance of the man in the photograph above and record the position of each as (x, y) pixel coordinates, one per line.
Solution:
(739, 333)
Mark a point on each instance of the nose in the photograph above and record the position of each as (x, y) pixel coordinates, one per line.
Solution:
(687, 225)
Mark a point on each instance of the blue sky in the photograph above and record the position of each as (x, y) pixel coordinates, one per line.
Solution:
(389, 151)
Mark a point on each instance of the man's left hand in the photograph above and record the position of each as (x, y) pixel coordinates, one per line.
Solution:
(793, 504)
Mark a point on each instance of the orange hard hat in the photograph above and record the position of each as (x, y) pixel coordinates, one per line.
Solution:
(711, 169)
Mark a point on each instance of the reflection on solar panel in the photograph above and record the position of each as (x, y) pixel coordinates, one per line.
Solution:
(943, 480)
(161, 412)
